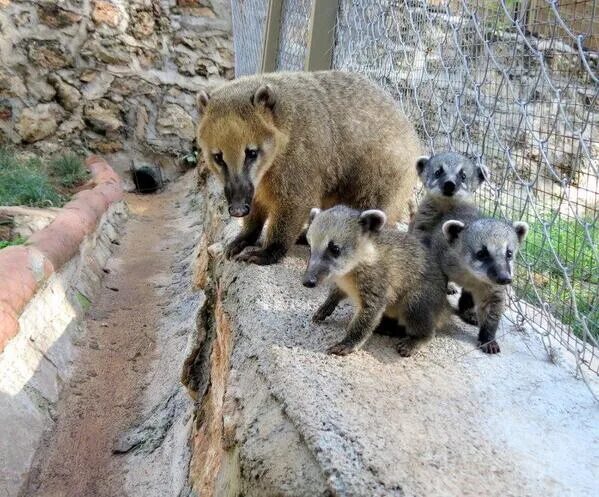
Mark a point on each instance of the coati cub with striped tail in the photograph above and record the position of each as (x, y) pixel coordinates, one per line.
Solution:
(383, 271)
(449, 179)
(478, 255)
(284, 142)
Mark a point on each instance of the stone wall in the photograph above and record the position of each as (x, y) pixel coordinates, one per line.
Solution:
(109, 76)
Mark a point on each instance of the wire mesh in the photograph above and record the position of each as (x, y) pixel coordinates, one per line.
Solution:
(293, 35)
(513, 84)
(249, 21)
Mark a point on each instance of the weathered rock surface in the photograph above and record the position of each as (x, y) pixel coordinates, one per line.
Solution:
(128, 53)
(39, 122)
(276, 416)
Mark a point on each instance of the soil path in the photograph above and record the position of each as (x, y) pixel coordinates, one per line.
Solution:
(104, 395)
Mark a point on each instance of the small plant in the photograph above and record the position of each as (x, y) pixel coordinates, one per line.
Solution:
(26, 182)
(10, 243)
(68, 170)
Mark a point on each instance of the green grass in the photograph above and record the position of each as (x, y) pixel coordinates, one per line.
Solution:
(559, 240)
(31, 182)
(10, 243)
(69, 170)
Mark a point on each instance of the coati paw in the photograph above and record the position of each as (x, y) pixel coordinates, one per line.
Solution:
(235, 247)
(469, 316)
(491, 347)
(320, 315)
(342, 348)
(406, 347)
(256, 255)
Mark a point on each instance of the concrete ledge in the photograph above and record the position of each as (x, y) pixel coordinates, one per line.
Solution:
(24, 269)
(278, 417)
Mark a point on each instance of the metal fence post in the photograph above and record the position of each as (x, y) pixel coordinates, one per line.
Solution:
(321, 39)
(271, 36)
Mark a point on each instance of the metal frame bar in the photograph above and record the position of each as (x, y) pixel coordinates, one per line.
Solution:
(271, 36)
(321, 37)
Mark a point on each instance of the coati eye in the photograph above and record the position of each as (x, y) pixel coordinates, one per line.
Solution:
(482, 254)
(218, 158)
(251, 153)
(438, 172)
(462, 175)
(334, 249)
(509, 254)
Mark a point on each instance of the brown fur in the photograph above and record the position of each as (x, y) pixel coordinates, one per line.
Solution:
(329, 137)
(384, 273)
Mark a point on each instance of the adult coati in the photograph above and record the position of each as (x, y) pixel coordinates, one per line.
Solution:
(285, 142)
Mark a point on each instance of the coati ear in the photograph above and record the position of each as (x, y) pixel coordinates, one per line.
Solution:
(202, 100)
(313, 212)
(372, 220)
(421, 163)
(452, 229)
(264, 96)
(521, 230)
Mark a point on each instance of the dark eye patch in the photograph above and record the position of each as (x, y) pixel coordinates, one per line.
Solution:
(482, 254)
(334, 249)
(218, 158)
(509, 254)
(251, 154)
(438, 172)
(462, 175)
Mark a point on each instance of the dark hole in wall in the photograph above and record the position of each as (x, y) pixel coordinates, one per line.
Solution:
(147, 179)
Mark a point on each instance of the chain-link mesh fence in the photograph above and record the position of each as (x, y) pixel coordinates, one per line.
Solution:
(293, 37)
(249, 22)
(513, 84)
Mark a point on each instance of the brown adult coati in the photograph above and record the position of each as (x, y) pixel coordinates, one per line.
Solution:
(284, 142)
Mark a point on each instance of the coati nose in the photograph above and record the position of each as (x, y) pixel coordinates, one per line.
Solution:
(503, 279)
(239, 210)
(309, 282)
(448, 188)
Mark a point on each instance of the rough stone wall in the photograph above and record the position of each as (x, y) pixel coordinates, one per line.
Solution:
(109, 75)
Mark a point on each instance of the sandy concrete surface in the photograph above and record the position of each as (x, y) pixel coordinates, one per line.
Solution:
(449, 421)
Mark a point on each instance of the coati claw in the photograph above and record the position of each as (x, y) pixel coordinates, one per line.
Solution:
(491, 347)
(341, 348)
(256, 255)
(320, 316)
(406, 347)
(235, 247)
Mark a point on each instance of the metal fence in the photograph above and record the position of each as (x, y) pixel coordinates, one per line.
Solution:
(515, 85)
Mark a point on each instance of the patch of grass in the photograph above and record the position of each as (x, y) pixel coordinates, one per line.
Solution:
(26, 182)
(556, 241)
(10, 243)
(68, 170)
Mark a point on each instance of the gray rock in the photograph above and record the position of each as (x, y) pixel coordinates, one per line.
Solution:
(39, 122)
(173, 120)
(103, 115)
(68, 96)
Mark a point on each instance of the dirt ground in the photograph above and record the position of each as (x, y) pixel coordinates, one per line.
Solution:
(115, 366)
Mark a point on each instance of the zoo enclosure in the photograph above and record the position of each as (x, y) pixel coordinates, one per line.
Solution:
(513, 84)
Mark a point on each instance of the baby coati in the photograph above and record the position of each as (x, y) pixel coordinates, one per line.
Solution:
(383, 271)
(284, 142)
(449, 181)
(478, 254)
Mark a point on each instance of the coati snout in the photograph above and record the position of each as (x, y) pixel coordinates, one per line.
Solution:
(450, 174)
(239, 193)
(487, 246)
(338, 239)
